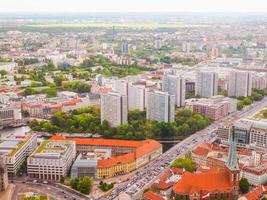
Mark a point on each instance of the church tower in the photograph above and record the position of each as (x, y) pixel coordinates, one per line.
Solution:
(234, 171)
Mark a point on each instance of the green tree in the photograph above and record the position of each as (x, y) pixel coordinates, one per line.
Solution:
(62, 179)
(3, 72)
(74, 183)
(85, 185)
(244, 185)
(247, 101)
(185, 163)
(240, 105)
(58, 80)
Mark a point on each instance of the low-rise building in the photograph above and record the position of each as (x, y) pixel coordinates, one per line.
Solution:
(51, 160)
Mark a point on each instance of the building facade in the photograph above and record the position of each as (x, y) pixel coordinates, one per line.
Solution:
(160, 106)
(175, 85)
(239, 84)
(206, 84)
(114, 108)
(136, 97)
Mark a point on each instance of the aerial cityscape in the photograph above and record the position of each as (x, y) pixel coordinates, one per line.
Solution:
(133, 100)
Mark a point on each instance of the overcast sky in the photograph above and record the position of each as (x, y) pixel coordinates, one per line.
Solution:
(133, 5)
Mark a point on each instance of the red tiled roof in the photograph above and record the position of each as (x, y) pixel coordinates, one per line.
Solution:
(140, 148)
(209, 182)
(256, 193)
(152, 196)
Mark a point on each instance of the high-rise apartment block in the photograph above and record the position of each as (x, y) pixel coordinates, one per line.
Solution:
(239, 84)
(175, 85)
(125, 48)
(206, 84)
(136, 97)
(160, 106)
(114, 108)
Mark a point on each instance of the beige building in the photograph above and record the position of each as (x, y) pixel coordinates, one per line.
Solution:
(51, 160)
(239, 84)
(114, 108)
(206, 84)
(3, 177)
(160, 106)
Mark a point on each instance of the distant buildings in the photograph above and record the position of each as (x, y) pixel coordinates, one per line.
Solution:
(125, 48)
(8, 66)
(215, 107)
(175, 85)
(160, 106)
(239, 84)
(158, 43)
(51, 160)
(9, 113)
(114, 108)
(136, 97)
(206, 84)
(214, 52)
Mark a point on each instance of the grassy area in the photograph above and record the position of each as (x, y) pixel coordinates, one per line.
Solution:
(44, 147)
(20, 145)
(259, 115)
(91, 24)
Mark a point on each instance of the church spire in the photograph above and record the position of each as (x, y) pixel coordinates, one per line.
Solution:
(232, 162)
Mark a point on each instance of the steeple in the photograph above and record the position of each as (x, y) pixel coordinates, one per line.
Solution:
(232, 163)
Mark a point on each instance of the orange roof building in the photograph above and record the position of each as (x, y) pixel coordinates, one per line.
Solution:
(211, 183)
(126, 155)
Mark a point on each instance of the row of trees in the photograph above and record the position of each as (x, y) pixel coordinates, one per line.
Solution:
(50, 92)
(76, 86)
(138, 127)
(83, 185)
(256, 95)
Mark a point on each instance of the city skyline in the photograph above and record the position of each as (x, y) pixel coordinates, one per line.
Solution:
(134, 6)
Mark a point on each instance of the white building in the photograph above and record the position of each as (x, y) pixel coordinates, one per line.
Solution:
(206, 84)
(136, 97)
(239, 84)
(259, 81)
(114, 108)
(121, 86)
(8, 66)
(15, 150)
(160, 106)
(175, 85)
(51, 160)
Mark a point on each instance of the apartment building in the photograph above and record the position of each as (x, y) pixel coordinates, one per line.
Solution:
(206, 84)
(114, 108)
(160, 106)
(175, 85)
(136, 97)
(239, 84)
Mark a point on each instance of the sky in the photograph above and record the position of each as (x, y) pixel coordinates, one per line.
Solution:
(133, 5)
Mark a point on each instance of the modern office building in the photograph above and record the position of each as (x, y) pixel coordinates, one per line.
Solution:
(175, 85)
(160, 106)
(239, 84)
(136, 97)
(206, 84)
(51, 160)
(15, 150)
(241, 132)
(86, 163)
(114, 108)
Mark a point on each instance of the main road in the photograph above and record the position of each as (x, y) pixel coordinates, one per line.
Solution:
(143, 178)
